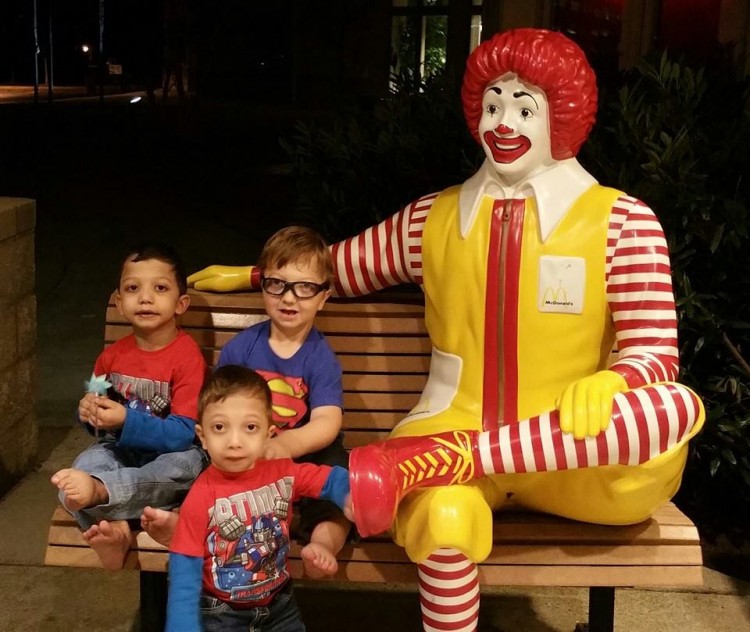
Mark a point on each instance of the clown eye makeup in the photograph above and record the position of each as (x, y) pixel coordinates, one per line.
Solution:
(491, 109)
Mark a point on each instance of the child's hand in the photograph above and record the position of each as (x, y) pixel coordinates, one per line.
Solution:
(108, 415)
(349, 508)
(88, 406)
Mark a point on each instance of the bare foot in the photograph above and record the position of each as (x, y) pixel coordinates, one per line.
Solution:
(111, 541)
(318, 560)
(159, 524)
(80, 489)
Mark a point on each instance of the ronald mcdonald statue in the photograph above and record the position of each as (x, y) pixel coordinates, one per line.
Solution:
(549, 305)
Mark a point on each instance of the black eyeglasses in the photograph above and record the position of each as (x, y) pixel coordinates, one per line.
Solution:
(301, 289)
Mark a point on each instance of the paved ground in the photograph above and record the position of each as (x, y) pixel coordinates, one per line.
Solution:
(106, 175)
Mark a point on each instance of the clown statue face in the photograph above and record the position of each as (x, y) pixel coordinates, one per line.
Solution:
(514, 128)
(530, 100)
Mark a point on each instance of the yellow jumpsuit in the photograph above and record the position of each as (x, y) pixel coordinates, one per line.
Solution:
(497, 331)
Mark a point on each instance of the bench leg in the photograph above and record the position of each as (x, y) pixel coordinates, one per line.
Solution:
(153, 601)
(601, 609)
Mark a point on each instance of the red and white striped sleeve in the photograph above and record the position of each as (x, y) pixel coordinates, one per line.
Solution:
(384, 255)
(640, 296)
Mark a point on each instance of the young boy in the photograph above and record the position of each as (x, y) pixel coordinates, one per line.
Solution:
(305, 380)
(227, 560)
(146, 453)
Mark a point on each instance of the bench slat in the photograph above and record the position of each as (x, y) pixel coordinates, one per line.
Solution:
(380, 344)
(394, 364)
(374, 382)
(582, 574)
(591, 575)
(402, 325)
(364, 419)
(650, 532)
(616, 555)
(522, 538)
(511, 529)
(408, 364)
(387, 302)
(402, 402)
(357, 438)
(215, 339)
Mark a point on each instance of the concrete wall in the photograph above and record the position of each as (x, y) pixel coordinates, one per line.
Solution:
(18, 427)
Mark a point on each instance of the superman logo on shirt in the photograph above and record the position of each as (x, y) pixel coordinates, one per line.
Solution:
(288, 398)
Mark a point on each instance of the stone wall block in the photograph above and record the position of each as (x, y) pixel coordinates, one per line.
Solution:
(22, 402)
(27, 431)
(8, 377)
(8, 271)
(18, 425)
(23, 247)
(26, 316)
(25, 215)
(16, 267)
(8, 223)
(8, 336)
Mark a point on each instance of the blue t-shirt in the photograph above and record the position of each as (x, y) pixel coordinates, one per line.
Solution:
(309, 379)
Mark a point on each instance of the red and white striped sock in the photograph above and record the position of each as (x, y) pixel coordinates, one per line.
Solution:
(448, 592)
(645, 423)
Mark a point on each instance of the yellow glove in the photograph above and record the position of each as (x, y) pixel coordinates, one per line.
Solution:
(586, 405)
(222, 279)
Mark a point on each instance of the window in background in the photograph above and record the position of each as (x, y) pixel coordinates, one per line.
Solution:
(419, 30)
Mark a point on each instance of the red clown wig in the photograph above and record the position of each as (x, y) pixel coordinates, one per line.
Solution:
(547, 60)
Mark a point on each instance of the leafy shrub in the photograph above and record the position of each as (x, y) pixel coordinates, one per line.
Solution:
(359, 167)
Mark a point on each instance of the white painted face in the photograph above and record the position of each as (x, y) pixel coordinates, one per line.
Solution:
(514, 128)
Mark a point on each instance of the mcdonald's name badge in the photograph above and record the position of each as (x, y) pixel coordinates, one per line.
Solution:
(562, 284)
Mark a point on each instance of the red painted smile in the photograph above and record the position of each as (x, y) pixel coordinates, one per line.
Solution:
(506, 150)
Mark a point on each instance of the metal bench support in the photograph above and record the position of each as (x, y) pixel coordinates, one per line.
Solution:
(153, 601)
(601, 609)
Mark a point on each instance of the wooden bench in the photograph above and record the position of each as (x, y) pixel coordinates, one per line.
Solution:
(385, 352)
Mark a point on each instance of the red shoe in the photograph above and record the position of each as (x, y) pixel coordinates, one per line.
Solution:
(381, 474)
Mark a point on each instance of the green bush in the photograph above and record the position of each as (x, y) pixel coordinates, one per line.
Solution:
(358, 167)
(672, 136)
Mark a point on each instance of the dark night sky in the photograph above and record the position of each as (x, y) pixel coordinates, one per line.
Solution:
(232, 36)
(130, 26)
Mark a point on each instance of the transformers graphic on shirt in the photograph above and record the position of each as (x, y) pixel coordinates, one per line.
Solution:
(249, 560)
(238, 523)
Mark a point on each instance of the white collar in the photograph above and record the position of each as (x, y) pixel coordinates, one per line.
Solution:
(555, 191)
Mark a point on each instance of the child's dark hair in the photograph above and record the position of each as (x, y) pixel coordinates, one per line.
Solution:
(233, 379)
(160, 252)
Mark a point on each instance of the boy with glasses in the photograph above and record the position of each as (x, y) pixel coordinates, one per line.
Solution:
(304, 375)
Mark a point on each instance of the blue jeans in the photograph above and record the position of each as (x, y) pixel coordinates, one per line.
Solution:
(135, 478)
(281, 615)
